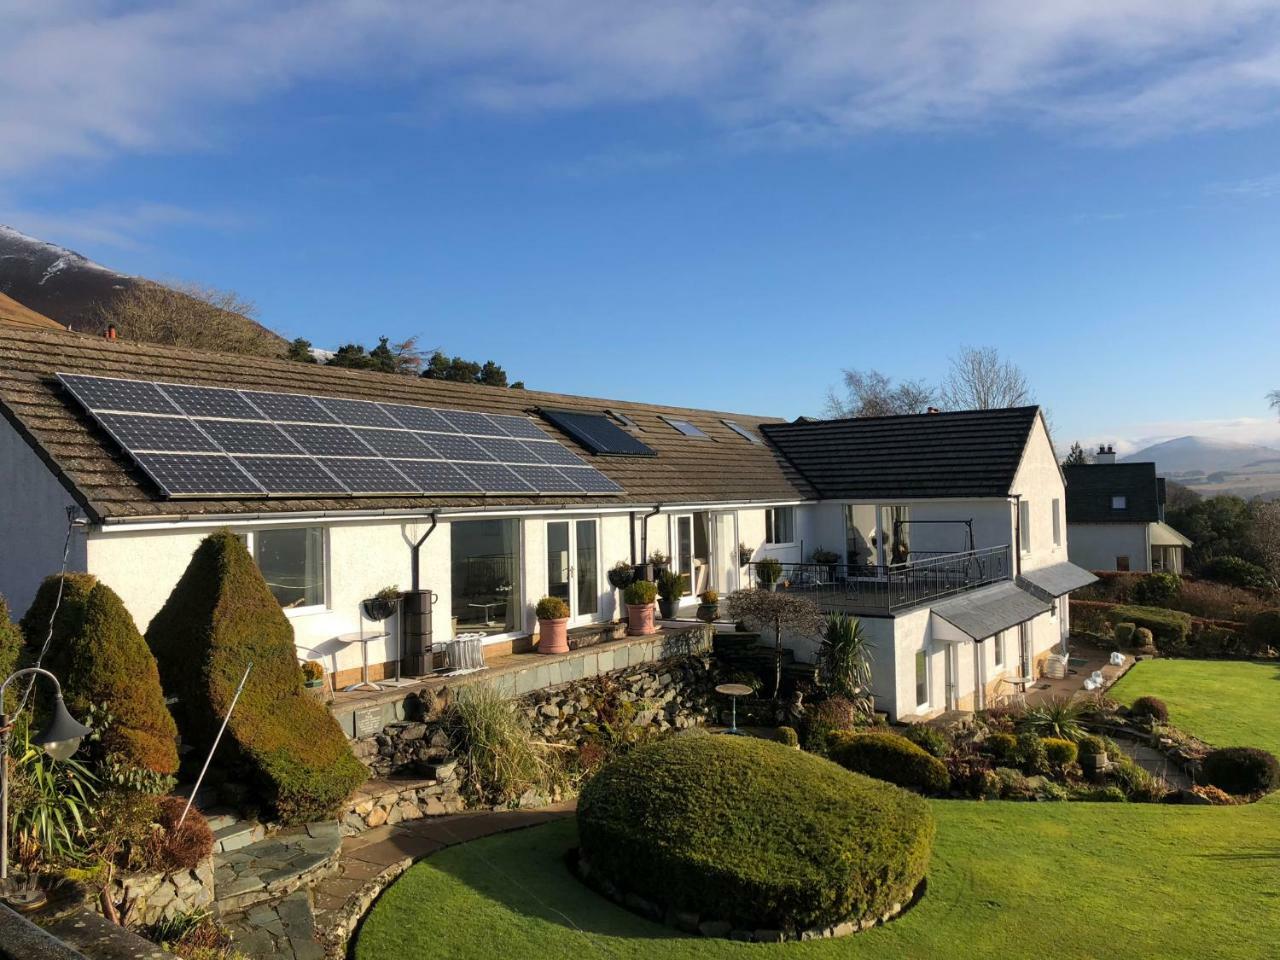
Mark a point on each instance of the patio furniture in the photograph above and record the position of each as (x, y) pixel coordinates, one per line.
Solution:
(364, 640)
(463, 654)
(733, 691)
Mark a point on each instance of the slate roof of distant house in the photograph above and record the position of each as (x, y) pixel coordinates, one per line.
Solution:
(966, 453)
(1090, 487)
(722, 468)
(13, 312)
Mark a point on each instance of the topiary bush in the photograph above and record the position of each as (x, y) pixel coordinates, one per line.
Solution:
(1170, 627)
(929, 739)
(104, 664)
(1059, 753)
(887, 756)
(219, 617)
(1241, 770)
(1151, 707)
(551, 608)
(640, 593)
(1003, 747)
(1123, 632)
(746, 831)
(788, 737)
(1091, 746)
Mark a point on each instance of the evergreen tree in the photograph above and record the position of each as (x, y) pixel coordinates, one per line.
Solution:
(300, 351)
(1076, 456)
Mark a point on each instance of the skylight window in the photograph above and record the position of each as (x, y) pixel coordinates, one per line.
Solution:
(741, 431)
(622, 419)
(685, 427)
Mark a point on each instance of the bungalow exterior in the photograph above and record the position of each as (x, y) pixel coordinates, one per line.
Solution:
(949, 527)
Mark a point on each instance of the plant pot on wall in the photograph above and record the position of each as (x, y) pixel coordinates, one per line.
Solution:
(640, 619)
(378, 608)
(553, 625)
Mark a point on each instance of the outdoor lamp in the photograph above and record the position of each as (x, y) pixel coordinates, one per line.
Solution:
(62, 737)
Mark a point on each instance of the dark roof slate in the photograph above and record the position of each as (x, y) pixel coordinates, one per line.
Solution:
(1090, 487)
(722, 468)
(967, 453)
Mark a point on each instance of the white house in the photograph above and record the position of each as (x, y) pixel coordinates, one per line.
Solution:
(949, 527)
(1115, 517)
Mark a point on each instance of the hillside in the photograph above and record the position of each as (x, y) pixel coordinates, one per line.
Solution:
(65, 285)
(1211, 466)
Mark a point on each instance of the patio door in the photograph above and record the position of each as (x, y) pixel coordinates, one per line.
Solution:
(573, 566)
(682, 553)
(724, 552)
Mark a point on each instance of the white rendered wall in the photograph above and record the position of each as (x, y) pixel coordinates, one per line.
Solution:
(33, 523)
(1095, 546)
(1039, 482)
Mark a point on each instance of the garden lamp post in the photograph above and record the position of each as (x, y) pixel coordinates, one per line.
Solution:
(59, 740)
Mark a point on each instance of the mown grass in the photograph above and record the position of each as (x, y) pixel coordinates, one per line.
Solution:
(1057, 880)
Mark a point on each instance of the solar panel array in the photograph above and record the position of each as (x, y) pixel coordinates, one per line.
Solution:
(195, 441)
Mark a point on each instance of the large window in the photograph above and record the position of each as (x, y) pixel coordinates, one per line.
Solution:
(486, 575)
(292, 563)
(1024, 524)
(922, 678)
(999, 648)
(780, 525)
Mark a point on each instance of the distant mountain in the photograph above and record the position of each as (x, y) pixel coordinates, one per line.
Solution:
(61, 283)
(1211, 466)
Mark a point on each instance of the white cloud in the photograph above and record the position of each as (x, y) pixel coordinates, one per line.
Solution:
(1264, 431)
(119, 225)
(1253, 188)
(88, 78)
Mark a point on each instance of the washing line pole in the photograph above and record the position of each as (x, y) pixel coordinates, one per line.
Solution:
(216, 740)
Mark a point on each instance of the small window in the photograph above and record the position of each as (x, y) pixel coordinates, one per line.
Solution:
(685, 427)
(780, 525)
(622, 419)
(1024, 525)
(1119, 503)
(922, 679)
(1057, 522)
(741, 431)
(292, 563)
(1122, 564)
(999, 649)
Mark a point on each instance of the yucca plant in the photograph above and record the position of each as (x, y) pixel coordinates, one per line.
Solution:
(1059, 718)
(845, 660)
(50, 800)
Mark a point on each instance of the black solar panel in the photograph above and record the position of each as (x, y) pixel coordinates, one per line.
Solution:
(130, 396)
(135, 431)
(248, 436)
(598, 433)
(199, 441)
(210, 402)
(188, 474)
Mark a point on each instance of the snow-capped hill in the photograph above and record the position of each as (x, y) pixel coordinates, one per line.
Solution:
(53, 280)
(1192, 455)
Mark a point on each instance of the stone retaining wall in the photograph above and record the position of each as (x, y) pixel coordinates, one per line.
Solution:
(156, 896)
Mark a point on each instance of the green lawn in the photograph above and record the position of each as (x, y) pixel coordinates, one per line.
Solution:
(1060, 880)
(1225, 703)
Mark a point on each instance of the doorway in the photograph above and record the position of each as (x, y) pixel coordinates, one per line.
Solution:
(573, 567)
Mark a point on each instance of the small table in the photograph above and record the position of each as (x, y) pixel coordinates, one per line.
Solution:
(734, 691)
(486, 607)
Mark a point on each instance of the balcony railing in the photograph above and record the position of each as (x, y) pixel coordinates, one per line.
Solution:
(880, 590)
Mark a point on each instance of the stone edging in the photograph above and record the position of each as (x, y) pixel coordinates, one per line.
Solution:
(335, 932)
(693, 923)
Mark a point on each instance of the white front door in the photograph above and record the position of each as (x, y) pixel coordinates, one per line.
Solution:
(724, 552)
(573, 567)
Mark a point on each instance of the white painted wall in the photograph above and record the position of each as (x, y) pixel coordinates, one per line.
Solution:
(1095, 546)
(33, 523)
(1039, 482)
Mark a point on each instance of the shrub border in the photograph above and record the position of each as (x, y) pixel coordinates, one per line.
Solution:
(695, 924)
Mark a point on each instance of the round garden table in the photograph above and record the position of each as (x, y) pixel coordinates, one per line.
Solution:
(733, 691)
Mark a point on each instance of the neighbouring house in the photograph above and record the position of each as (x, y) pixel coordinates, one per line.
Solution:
(1115, 517)
(947, 529)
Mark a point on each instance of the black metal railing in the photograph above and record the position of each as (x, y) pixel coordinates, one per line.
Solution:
(879, 590)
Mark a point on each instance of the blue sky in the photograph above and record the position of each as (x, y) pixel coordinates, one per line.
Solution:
(713, 204)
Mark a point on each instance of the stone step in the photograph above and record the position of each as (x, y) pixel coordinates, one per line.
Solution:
(270, 869)
(237, 834)
(219, 817)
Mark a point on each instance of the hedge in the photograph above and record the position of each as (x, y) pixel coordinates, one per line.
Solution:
(1206, 637)
(751, 832)
(887, 756)
(10, 645)
(101, 660)
(219, 617)
(1169, 627)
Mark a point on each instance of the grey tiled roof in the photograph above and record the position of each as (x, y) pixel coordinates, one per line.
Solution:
(1090, 487)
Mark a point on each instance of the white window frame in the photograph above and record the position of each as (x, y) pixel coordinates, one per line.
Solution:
(998, 649)
(1119, 502)
(770, 527)
(1024, 525)
(250, 543)
(1057, 522)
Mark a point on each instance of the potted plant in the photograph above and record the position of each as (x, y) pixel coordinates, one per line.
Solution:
(312, 673)
(620, 575)
(745, 554)
(768, 572)
(709, 608)
(826, 558)
(659, 561)
(640, 595)
(553, 625)
(671, 587)
(382, 604)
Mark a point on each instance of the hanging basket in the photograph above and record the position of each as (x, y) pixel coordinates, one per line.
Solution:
(378, 608)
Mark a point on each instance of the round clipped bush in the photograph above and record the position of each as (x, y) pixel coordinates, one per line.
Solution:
(929, 739)
(1060, 753)
(1151, 707)
(1123, 632)
(551, 608)
(1241, 770)
(1091, 746)
(1002, 746)
(788, 737)
(887, 756)
(748, 832)
(640, 593)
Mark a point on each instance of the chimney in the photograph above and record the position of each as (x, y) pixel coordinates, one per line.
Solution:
(1105, 454)
(933, 410)
(110, 333)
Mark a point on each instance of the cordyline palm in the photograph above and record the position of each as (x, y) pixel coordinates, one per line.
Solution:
(764, 609)
(846, 660)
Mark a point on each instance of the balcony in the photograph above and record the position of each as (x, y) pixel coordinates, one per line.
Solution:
(879, 591)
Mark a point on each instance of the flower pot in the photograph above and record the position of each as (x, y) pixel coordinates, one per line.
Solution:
(640, 619)
(314, 683)
(553, 635)
(707, 612)
(378, 608)
(667, 607)
(642, 571)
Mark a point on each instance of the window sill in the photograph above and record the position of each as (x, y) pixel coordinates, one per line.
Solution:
(311, 611)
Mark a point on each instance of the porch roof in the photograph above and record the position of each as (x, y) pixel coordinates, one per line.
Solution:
(984, 613)
(1055, 580)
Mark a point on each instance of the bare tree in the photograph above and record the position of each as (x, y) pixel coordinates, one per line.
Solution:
(980, 379)
(869, 393)
(764, 609)
(1264, 534)
(188, 315)
(1273, 398)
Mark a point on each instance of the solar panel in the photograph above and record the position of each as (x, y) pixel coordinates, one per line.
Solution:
(187, 474)
(199, 441)
(598, 433)
(135, 431)
(129, 396)
(247, 436)
(210, 402)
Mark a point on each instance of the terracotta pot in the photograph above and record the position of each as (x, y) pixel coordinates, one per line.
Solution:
(553, 636)
(640, 619)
